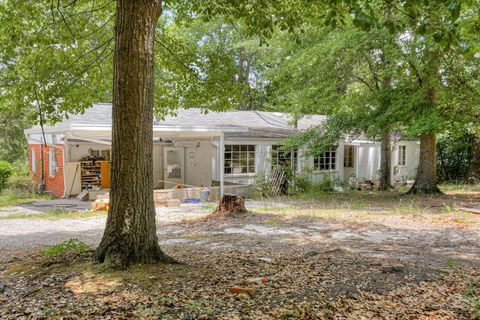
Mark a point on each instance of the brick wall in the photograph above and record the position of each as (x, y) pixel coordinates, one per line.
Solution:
(53, 184)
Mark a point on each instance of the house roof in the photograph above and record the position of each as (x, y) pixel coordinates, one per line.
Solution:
(249, 123)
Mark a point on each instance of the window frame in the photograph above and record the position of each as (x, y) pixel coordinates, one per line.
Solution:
(34, 160)
(332, 165)
(287, 156)
(52, 167)
(239, 153)
(402, 155)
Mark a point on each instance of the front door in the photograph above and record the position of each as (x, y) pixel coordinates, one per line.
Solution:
(173, 166)
(348, 163)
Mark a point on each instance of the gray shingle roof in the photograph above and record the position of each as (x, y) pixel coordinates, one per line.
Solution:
(259, 123)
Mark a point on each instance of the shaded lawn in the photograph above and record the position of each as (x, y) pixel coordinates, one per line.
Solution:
(330, 285)
(325, 283)
(9, 198)
(357, 206)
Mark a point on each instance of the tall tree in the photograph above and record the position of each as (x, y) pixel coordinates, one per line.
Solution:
(348, 75)
(130, 234)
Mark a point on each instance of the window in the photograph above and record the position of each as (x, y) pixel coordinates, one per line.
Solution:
(326, 161)
(34, 161)
(239, 159)
(349, 157)
(52, 163)
(281, 158)
(402, 155)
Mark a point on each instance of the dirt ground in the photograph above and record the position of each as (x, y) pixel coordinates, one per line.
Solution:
(340, 256)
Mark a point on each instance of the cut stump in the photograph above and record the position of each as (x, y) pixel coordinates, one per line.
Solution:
(231, 204)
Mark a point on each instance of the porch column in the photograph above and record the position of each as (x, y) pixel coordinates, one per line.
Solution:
(222, 165)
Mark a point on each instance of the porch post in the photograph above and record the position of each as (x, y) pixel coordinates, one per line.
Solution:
(222, 165)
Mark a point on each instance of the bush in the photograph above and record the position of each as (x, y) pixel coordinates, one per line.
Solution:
(301, 184)
(328, 182)
(6, 171)
(20, 168)
(21, 184)
(263, 187)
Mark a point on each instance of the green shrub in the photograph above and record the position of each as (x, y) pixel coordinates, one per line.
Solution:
(21, 183)
(263, 187)
(6, 171)
(327, 183)
(72, 245)
(301, 184)
(20, 168)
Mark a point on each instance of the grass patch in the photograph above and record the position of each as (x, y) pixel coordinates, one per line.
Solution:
(69, 246)
(14, 198)
(354, 206)
(210, 206)
(55, 214)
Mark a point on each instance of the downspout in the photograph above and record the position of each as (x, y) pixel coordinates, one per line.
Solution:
(42, 156)
(65, 148)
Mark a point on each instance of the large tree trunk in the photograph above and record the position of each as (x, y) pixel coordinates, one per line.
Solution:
(386, 162)
(426, 180)
(474, 175)
(130, 235)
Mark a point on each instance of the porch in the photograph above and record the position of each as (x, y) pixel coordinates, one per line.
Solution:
(185, 161)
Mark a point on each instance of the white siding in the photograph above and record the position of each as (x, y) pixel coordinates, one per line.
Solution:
(409, 170)
(198, 166)
(317, 176)
(368, 161)
(157, 165)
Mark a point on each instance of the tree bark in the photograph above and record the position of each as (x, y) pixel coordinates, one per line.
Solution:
(385, 162)
(474, 174)
(130, 234)
(426, 180)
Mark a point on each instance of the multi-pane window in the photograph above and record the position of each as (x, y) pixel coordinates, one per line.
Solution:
(349, 157)
(326, 161)
(402, 155)
(34, 160)
(239, 159)
(282, 159)
(51, 162)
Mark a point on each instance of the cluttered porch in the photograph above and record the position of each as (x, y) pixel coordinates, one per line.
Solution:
(187, 167)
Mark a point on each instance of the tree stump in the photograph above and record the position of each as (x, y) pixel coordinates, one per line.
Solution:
(231, 204)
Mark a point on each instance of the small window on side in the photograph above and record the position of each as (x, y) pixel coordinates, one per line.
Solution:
(51, 162)
(402, 155)
(34, 160)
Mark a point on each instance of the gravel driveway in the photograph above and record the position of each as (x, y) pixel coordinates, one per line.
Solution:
(34, 232)
(424, 243)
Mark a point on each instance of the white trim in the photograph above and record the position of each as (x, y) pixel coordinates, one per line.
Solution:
(222, 165)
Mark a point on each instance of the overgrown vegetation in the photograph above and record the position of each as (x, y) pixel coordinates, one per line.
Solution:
(454, 156)
(6, 171)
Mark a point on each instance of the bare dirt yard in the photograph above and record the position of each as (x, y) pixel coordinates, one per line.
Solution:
(353, 255)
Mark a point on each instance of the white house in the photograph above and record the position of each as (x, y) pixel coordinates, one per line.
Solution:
(193, 148)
